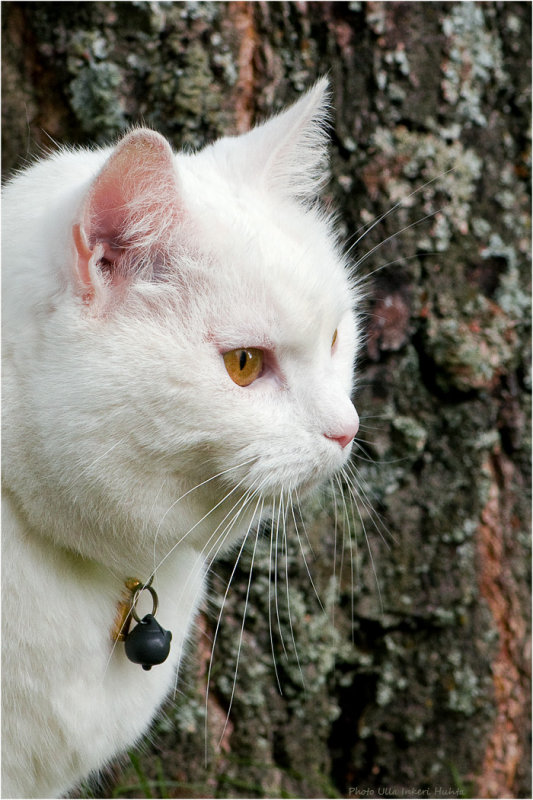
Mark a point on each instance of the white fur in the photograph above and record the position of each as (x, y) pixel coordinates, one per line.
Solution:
(117, 405)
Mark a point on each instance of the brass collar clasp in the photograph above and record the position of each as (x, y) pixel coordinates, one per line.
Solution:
(126, 608)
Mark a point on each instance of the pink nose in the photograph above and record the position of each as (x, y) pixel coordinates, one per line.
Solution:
(344, 439)
(345, 436)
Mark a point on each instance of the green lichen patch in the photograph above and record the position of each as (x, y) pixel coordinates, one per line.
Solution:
(96, 99)
(471, 351)
(474, 61)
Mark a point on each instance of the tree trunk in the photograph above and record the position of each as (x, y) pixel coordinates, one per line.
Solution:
(413, 679)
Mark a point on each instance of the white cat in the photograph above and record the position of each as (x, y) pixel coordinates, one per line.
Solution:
(179, 338)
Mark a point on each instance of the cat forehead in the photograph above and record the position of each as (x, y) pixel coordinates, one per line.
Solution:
(272, 307)
(270, 254)
(265, 293)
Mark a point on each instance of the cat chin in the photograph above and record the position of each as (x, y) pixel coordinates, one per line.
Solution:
(315, 484)
(299, 473)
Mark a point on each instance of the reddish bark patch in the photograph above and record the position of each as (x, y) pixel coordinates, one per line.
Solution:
(241, 16)
(496, 541)
(388, 330)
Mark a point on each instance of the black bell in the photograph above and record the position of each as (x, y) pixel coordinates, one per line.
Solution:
(148, 643)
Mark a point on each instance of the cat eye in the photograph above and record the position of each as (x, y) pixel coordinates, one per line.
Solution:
(334, 339)
(244, 365)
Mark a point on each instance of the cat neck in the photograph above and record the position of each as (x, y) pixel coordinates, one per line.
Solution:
(54, 558)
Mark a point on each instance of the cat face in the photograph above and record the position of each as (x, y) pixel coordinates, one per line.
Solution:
(281, 294)
(285, 298)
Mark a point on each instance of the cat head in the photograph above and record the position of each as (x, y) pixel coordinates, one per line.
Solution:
(207, 332)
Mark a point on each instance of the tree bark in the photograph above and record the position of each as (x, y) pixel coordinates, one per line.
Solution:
(414, 677)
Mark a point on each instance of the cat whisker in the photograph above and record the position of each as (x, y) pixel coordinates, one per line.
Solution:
(303, 524)
(364, 279)
(276, 551)
(194, 488)
(358, 485)
(289, 615)
(98, 458)
(219, 540)
(219, 619)
(367, 457)
(270, 626)
(352, 546)
(345, 522)
(214, 550)
(355, 504)
(208, 554)
(364, 427)
(336, 583)
(305, 560)
(193, 527)
(368, 460)
(204, 555)
(362, 441)
(246, 601)
(401, 203)
(372, 250)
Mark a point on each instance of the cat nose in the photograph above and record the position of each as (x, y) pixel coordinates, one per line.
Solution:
(345, 434)
(343, 439)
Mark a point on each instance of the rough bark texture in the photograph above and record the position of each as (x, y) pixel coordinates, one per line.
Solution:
(417, 673)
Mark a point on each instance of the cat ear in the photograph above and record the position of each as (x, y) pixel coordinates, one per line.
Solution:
(289, 151)
(128, 216)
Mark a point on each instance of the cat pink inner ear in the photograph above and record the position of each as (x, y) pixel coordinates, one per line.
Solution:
(129, 214)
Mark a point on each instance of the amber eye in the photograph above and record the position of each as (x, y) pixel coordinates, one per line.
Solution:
(334, 339)
(244, 365)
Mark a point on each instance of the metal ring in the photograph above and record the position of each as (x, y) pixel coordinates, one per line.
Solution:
(155, 600)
